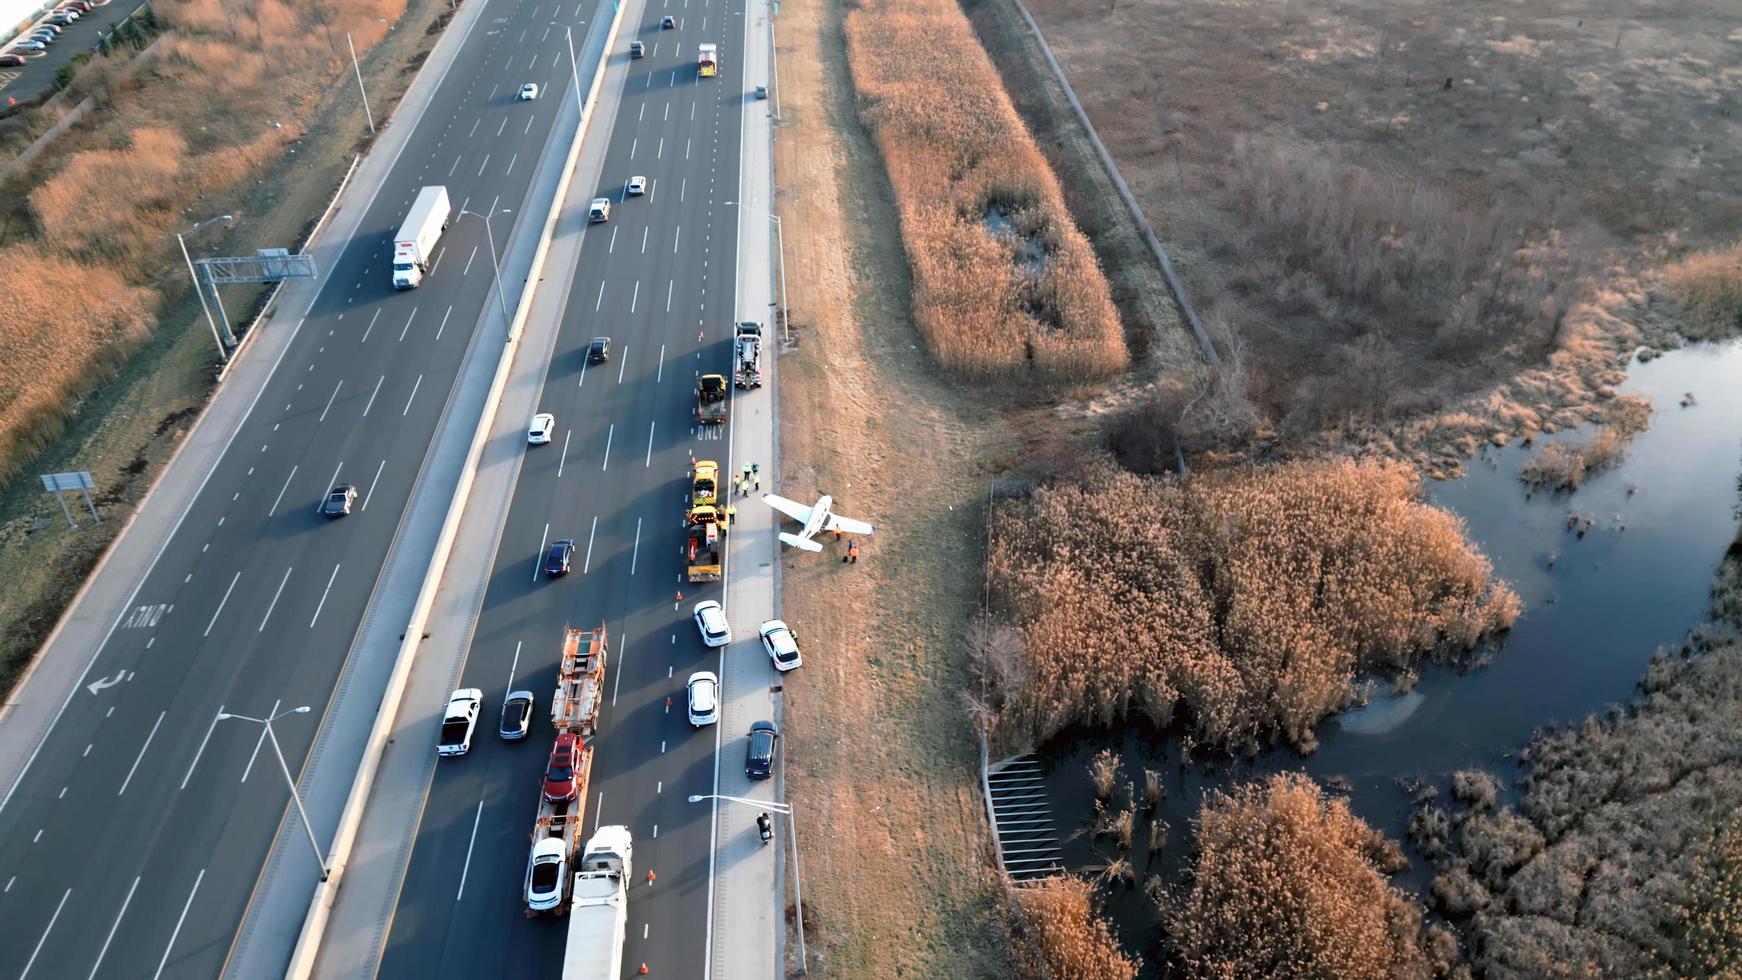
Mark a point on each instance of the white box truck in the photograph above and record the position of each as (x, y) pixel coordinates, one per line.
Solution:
(414, 246)
(599, 909)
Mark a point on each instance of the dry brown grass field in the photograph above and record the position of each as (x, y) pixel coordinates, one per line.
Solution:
(105, 198)
(133, 399)
(1427, 226)
(1285, 881)
(1004, 285)
(1238, 604)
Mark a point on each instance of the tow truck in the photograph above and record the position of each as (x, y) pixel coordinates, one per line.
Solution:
(747, 353)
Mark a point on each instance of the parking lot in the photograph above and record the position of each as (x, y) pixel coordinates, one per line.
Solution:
(23, 84)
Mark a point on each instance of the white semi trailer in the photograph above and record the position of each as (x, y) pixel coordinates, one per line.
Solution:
(599, 907)
(414, 246)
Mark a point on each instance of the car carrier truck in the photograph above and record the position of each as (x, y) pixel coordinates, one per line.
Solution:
(556, 832)
(414, 246)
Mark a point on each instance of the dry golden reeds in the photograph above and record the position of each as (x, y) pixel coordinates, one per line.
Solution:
(225, 94)
(1247, 598)
(1103, 769)
(1281, 885)
(1064, 935)
(1004, 283)
(1709, 287)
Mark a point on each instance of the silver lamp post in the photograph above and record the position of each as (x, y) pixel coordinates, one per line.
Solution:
(285, 768)
(495, 264)
(181, 239)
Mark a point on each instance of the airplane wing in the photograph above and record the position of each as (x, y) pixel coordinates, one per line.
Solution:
(798, 542)
(847, 525)
(791, 508)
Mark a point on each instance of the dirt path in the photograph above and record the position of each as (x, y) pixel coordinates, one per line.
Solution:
(882, 762)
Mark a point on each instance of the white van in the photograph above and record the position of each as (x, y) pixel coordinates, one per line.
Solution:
(599, 211)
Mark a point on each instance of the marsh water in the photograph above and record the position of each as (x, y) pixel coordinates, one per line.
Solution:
(1596, 607)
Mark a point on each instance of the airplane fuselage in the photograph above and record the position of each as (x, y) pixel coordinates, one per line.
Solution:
(819, 517)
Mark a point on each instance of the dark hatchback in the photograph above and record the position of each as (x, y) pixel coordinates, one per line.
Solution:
(759, 757)
(560, 556)
(599, 351)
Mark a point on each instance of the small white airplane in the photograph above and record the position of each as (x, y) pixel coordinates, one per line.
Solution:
(816, 519)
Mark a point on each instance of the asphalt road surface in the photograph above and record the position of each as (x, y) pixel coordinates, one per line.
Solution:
(133, 841)
(614, 478)
(80, 36)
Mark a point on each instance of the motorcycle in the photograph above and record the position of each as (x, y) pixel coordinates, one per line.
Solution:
(765, 824)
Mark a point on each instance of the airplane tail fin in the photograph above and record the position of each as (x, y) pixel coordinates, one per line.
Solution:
(798, 542)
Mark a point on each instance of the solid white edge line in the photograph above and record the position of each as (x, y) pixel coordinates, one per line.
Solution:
(117, 925)
(141, 756)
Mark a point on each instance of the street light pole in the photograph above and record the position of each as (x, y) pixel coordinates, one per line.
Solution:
(284, 767)
(785, 810)
(223, 352)
(495, 264)
(359, 70)
(780, 245)
(574, 69)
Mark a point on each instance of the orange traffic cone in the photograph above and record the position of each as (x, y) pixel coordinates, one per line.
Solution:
(650, 877)
(643, 968)
(680, 595)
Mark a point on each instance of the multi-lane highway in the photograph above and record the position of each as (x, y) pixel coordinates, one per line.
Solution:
(659, 279)
(132, 842)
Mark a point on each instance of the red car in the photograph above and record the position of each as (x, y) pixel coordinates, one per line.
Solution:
(562, 775)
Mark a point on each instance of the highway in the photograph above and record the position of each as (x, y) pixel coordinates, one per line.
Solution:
(132, 842)
(659, 279)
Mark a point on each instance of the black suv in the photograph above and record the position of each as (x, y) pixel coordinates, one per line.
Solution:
(560, 556)
(338, 502)
(637, 49)
(759, 757)
(599, 351)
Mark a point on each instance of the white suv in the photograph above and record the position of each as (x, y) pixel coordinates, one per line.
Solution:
(711, 621)
(704, 688)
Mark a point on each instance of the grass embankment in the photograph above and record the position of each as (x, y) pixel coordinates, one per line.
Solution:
(1004, 284)
(881, 760)
(1239, 604)
(120, 337)
(1621, 858)
(1287, 882)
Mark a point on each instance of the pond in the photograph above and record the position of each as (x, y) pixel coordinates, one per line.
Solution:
(1596, 607)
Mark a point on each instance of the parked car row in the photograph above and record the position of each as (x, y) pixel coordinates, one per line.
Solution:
(43, 33)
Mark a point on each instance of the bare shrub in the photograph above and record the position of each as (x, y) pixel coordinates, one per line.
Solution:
(1248, 597)
(1712, 920)
(1564, 465)
(1103, 769)
(1709, 287)
(955, 150)
(1475, 788)
(1400, 254)
(1281, 885)
(1062, 936)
